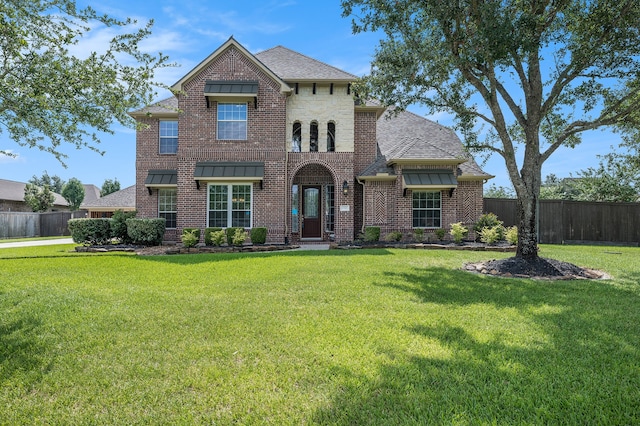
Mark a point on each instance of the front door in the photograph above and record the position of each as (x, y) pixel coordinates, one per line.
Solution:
(311, 212)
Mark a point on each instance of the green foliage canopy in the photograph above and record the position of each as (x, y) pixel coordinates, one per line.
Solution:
(73, 192)
(48, 96)
(39, 198)
(513, 73)
(109, 186)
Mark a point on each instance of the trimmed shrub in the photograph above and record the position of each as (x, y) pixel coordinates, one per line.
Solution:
(371, 233)
(511, 235)
(258, 235)
(489, 235)
(231, 232)
(458, 232)
(217, 238)
(239, 237)
(195, 231)
(207, 236)
(146, 232)
(488, 220)
(119, 225)
(418, 235)
(393, 236)
(90, 231)
(440, 232)
(190, 237)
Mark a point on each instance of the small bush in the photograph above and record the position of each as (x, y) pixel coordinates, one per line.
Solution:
(207, 236)
(258, 235)
(489, 235)
(146, 232)
(418, 234)
(217, 238)
(196, 232)
(119, 225)
(440, 233)
(239, 236)
(511, 235)
(458, 232)
(372, 234)
(488, 220)
(190, 237)
(90, 231)
(393, 236)
(231, 232)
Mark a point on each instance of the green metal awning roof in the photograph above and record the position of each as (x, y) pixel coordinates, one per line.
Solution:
(161, 178)
(230, 88)
(229, 171)
(429, 179)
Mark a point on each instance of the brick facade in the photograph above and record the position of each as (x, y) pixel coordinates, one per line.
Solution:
(270, 119)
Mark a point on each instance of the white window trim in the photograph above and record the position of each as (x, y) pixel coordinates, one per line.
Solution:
(169, 211)
(427, 209)
(246, 121)
(229, 201)
(160, 137)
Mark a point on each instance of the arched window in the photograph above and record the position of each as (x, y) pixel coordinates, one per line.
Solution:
(297, 137)
(331, 136)
(313, 137)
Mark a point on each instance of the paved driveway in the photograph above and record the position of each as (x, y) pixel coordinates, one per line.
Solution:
(37, 243)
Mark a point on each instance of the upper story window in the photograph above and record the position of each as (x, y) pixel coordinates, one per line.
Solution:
(297, 137)
(232, 121)
(313, 137)
(168, 137)
(331, 136)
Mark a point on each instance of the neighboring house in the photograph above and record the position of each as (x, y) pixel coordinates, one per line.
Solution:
(91, 193)
(124, 200)
(12, 198)
(278, 140)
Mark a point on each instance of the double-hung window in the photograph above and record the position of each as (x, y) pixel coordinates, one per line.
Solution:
(168, 137)
(167, 201)
(232, 121)
(427, 211)
(230, 205)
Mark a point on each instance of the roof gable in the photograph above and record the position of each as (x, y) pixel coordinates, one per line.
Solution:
(227, 45)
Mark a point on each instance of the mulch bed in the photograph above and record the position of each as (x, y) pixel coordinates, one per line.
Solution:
(541, 268)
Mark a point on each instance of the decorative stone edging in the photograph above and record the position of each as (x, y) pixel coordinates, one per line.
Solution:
(430, 246)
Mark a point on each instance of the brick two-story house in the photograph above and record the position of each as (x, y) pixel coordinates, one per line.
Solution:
(277, 140)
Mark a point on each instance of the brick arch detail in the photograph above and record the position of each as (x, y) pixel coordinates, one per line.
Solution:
(293, 173)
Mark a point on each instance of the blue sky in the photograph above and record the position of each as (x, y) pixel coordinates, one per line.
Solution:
(189, 30)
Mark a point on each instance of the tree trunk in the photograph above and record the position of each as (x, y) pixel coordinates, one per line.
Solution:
(527, 227)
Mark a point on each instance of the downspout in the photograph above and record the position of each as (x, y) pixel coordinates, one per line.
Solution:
(364, 207)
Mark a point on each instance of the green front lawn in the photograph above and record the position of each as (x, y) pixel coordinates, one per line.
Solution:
(336, 337)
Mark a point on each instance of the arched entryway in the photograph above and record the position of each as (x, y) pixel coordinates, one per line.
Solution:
(313, 204)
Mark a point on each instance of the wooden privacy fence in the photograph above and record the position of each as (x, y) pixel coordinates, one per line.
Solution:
(561, 221)
(24, 225)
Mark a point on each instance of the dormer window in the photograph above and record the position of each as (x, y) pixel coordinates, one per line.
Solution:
(331, 136)
(232, 121)
(313, 137)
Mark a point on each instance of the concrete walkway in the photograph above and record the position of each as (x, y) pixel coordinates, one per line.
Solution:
(36, 243)
(313, 247)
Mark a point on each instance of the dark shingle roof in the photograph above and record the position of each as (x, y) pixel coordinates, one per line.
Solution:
(293, 66)
(14, 191)
(408, 136)
(123, 199)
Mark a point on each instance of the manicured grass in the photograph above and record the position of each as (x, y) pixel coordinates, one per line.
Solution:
(337, 337)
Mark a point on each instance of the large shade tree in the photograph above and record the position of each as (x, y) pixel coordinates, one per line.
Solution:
(522, 77)
(48, 95)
